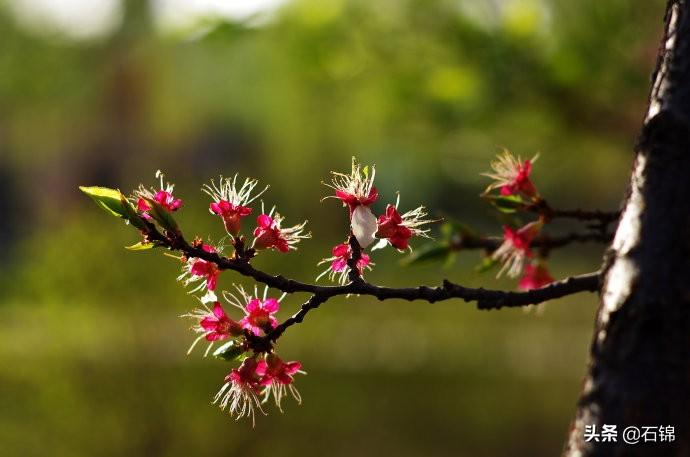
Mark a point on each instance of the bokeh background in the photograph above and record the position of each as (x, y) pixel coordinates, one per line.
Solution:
(104, 92)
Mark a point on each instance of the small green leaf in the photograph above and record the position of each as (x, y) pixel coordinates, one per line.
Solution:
(232, 350)
(162, 216)
(486, 264)
(110, 200)
(131, 214)
(427, 253)
(141, 246)
(507, 203)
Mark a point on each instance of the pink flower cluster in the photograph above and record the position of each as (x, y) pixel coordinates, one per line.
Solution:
(231, 201)
(338, 263)
(269, 376)
(511, 176)
(163, 197)
(357, 192)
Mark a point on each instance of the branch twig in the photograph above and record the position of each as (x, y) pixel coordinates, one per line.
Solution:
(485, 298)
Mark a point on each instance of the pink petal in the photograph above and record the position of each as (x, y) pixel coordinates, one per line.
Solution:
(209, 323)
(264, 221)
(253, 306)
(292, 367)
(341, 250)
(339, 265)
(218, 311)
(271, 305)
(261, 367)
(142, 205)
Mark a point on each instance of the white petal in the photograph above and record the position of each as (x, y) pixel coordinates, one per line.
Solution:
(363, 225)
(380, 245)
(210, 297)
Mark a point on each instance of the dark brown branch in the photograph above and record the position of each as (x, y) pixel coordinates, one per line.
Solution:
(543, 208)
(543, 242)
(485, 298)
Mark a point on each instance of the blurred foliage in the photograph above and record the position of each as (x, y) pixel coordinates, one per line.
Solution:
(93, 352)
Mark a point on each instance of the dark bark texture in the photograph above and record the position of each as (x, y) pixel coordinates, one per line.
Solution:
(639, 371)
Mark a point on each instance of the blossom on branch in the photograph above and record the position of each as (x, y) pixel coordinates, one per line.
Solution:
(397, 229)
(240, 393)
(355, 189)
(338, 264)
(511, 175)
(516, 247)
(259, 313)
(163, 196)
(270, 235)
(231, 203)
(535, 276)
(196, 269)
(277, 377)
(213, 325)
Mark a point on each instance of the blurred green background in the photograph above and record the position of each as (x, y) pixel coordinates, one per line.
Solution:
(104, 92)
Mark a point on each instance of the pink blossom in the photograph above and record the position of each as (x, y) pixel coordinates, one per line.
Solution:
(355, 189)
(338, 263)
(278, 376)
(390, 227)
(274, 369)
(534, 277)
(201, 268)
(511, 176)
(231, 202)
(516, 247)
(164, 197)
(240, 393)
(259, 315)
(213, 325)
(231, 215)
(397, 229)
(269, 234)
(218, 326)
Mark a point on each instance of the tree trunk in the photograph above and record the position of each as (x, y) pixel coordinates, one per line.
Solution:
(639, 370)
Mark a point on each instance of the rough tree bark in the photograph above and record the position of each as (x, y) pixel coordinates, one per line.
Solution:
(639, 371)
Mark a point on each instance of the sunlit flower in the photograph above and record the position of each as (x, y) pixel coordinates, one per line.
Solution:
(516, 248)
(398, 229)
(277, 377)
(213, 325)
(270, 235)
(338, 268)
(196, 269)
(231, 203)
(240, 393)
(355, 189)
(535, 276)
(511, 175)
(259, 313)
(163, 196)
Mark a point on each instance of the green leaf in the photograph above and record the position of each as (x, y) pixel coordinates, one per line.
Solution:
(232, 350)
(507, 203)
(427, 253)
(131, 214)
(486, 264)
(110, 200)
(141, 246)
(162, 216)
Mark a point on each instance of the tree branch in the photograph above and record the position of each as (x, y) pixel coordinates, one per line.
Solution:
(602, 217)
(543, 242)
(485, 298)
